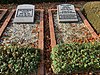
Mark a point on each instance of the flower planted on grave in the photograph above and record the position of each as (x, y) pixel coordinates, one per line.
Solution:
(16, 60)
(75, 57)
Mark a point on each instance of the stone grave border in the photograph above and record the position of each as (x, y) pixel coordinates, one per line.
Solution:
(3, 13)
(41, 36)
(51, 26)
(53, 39)
(7, 20)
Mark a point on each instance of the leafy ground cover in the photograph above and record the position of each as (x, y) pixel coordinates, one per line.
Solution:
(75, 57)
(92, 12)
(18, 60)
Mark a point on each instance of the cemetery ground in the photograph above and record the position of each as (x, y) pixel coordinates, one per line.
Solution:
(75, 31)
(25, 33)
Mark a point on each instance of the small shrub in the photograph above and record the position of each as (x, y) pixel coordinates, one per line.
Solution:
(75, 57)
(92, 11)
(16, 60)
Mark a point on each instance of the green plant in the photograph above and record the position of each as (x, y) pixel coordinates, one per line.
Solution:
(92, 11)
(16, 60)
(75, 57)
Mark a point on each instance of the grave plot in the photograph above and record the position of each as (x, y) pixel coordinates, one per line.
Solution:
(2, 14)
(24, 34)
(69, 32)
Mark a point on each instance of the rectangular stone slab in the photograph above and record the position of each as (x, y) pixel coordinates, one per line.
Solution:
(24, 14)
(66, 13)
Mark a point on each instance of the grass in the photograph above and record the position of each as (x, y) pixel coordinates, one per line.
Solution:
(92, 11)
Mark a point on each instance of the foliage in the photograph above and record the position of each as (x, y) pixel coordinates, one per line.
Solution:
(16, 60)
(75, 57)
(92, 11)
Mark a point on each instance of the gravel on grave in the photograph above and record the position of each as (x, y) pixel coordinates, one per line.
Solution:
(21, 34)
(70, 32)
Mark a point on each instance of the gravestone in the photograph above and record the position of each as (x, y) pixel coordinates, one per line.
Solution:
(66, 13)
(24, 14)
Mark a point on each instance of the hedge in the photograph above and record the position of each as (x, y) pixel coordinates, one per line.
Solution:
(75, 57)
(16, 60)
(92, 11)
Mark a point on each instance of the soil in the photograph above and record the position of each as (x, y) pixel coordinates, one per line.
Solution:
(44, 5)
(4, 17)
(0, 12)
(0, 15)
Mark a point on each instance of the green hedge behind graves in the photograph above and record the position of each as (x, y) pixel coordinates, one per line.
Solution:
(75, 57)
(16, 60)
(92, 11)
